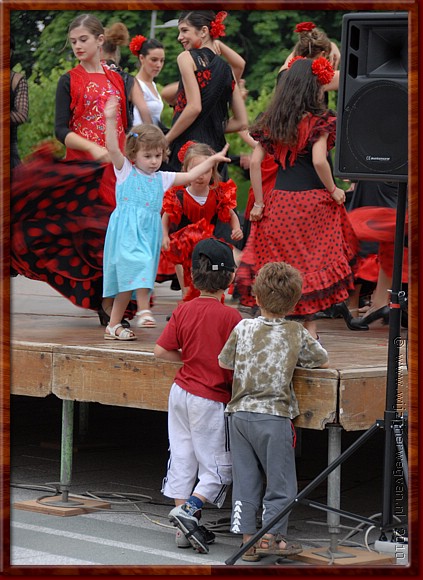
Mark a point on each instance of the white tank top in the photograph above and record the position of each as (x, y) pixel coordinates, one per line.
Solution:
(154, 103)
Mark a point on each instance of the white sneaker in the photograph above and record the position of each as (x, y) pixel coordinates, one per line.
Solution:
(181, 540)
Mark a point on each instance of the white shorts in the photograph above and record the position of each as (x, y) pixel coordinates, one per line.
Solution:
(199, 448)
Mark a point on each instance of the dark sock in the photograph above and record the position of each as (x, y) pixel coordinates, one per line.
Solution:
(193, 505)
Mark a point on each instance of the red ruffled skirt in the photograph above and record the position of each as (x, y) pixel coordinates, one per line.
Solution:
(308, 230)
(182, 244)
(378, 224)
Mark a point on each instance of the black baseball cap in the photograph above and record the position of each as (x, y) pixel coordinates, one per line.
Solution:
(219, 253)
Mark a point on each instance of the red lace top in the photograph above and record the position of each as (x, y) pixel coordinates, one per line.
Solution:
(89, 93)
(182, 208)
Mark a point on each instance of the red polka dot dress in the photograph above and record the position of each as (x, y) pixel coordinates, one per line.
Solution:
(302, 225)
(58, 226)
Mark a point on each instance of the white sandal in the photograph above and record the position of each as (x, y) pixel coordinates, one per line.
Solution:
(125, 334)
(145, 319)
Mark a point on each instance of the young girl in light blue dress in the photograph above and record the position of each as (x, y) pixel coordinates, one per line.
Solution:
(134, 233)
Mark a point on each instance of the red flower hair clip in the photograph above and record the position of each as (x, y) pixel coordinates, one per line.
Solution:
(136, 43)
(183, 150)
(217, 28)
(320, 67)
(294, 59)
(304, 27)
(323, 69)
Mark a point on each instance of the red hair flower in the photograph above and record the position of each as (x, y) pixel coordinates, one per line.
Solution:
(291, 62)
(217, 28)
(183, 150)
(323, 69)
(136, 43)
(304, 27)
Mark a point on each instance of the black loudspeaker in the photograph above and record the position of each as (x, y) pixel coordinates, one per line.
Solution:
(372, 111)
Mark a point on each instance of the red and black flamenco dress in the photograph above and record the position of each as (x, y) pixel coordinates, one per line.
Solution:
(302, 225)
(191, 222)
(60, 208)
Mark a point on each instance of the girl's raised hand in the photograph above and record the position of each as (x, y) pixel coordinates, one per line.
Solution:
(110, 108)
(220, 157)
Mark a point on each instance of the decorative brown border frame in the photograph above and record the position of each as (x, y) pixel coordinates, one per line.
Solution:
(412, 7)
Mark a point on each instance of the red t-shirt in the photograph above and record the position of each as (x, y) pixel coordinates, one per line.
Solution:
(200, 328)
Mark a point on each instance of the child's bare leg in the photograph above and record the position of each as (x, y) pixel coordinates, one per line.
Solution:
(120, 304)
(179, 270)
(311, 326)
(144, 316)
(237, 256)
(143, 298)
(107, 304)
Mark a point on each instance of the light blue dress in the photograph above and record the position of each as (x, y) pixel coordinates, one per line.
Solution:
(134, 233)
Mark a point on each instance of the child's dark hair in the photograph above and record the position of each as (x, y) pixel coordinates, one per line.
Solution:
(298, 92)
(148, 136)
(208, 280)
(278, 288)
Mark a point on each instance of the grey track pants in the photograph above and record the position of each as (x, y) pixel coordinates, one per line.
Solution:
(261, 443)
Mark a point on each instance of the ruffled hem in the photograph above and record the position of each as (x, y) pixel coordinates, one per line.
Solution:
(325, 287)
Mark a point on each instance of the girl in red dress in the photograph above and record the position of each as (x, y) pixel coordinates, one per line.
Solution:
(60, 208)
(203, 209)
(301, 220)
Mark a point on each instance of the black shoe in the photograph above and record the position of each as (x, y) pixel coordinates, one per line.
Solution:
(353, 323)
(208, 534)
(328, 313)
(189, 527)
(105, 318)
(382, 313)
(174, 285)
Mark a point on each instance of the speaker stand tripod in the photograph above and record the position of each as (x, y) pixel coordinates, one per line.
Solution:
(393, 423)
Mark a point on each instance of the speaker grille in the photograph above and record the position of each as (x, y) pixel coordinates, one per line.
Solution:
(375, 127)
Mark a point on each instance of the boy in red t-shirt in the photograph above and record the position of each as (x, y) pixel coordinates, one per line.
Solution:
(198, 430)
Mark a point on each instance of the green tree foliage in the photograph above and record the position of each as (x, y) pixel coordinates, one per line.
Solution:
(263, 38)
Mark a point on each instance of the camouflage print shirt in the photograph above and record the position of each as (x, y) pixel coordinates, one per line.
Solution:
(263, 354)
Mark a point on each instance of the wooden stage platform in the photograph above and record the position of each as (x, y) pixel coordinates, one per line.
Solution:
(68, 357)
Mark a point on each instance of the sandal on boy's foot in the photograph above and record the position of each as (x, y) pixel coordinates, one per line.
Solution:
(124, 334)
(251, 555)
(188, 525)
(270, 545)
(145, 319)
